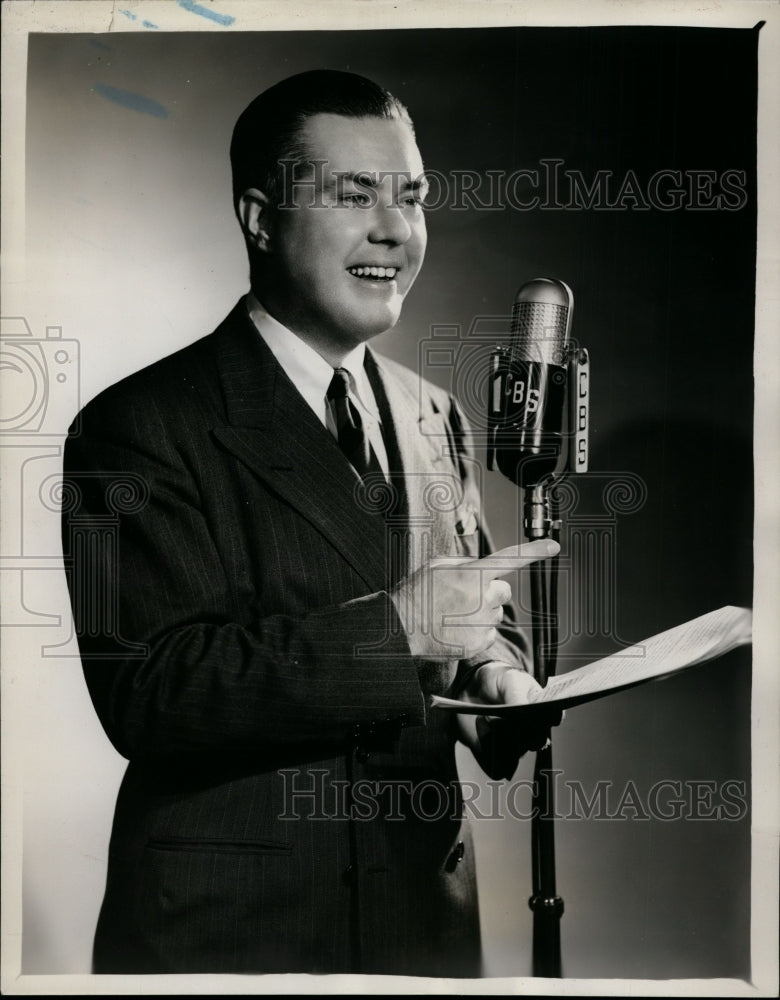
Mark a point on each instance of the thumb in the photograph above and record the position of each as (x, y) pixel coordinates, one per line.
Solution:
(516, 687)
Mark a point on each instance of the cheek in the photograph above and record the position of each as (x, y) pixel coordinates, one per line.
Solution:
(420, 239)
(310, 245)
(335, 231)
(416, 251)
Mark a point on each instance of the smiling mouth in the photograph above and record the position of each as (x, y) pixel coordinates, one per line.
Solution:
(371, 273)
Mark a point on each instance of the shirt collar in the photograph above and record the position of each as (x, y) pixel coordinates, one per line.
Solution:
(309, 372)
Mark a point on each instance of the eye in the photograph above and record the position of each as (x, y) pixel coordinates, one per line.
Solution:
(359, 198)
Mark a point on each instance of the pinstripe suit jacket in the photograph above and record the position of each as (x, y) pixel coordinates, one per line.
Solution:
(290, 803)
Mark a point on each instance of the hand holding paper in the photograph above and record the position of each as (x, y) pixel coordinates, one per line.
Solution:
(697, 641)
(496, 743)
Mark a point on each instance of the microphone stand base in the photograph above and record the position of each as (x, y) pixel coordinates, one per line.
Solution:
(547, 936)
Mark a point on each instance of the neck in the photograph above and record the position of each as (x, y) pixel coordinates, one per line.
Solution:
(333, 353)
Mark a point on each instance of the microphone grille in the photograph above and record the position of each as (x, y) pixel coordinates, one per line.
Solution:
(541, 318)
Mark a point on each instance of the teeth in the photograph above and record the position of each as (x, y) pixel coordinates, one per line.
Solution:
(374, 272)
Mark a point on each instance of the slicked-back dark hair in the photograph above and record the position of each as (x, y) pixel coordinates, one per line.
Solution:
(270, 128)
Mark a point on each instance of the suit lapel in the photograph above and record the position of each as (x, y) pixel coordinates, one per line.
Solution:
(273, 431)
(421, 443)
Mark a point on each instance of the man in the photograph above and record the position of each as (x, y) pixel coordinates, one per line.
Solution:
(279, 598)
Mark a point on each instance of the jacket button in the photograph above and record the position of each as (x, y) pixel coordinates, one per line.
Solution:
(362, 754)
(349, 874)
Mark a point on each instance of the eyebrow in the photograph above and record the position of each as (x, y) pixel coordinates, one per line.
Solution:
(366, 179)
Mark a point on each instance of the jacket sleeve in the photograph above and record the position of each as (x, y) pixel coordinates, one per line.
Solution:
(169, 667)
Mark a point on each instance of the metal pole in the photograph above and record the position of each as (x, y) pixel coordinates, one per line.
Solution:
(546, 904)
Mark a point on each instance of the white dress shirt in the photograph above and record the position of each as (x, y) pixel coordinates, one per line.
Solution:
(311, 375)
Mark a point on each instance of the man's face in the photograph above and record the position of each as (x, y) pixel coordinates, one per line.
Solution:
(363, 212)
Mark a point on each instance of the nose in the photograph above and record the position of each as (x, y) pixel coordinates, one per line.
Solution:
(389, 224)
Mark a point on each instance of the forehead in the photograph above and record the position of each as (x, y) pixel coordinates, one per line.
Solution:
(354, 145)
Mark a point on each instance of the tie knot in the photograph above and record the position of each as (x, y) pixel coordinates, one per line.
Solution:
(339, 384)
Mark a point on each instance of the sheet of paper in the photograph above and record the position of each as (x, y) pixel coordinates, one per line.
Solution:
(696, 641)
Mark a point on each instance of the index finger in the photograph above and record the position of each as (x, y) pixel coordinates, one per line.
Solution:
(516, 556)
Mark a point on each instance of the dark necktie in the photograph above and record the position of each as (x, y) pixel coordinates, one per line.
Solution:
(353, 439)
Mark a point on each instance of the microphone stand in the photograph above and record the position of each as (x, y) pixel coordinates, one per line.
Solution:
(536, 384)
(546, 904)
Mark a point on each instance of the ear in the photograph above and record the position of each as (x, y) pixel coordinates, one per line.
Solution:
(253, 214)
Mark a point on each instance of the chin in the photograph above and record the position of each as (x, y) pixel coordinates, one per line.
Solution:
(367, 327)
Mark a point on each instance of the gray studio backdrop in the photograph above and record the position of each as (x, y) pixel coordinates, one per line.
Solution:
(132, 249)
